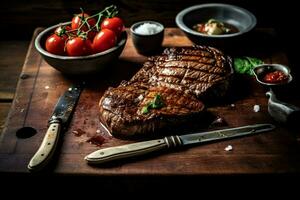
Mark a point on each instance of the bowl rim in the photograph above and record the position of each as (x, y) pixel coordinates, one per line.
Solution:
(133, 26)
(39, 47)
(181, 14)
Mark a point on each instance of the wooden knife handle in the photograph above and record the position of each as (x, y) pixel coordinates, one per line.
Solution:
(131, 150)
(46, 150)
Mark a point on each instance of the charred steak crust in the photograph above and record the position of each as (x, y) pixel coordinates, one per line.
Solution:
(181, 76)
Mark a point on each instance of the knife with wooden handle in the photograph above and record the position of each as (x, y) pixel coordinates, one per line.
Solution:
(58, 122)
(140, 148)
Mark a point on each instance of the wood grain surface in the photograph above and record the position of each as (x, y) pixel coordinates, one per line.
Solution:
(41, 85)
(12, 55)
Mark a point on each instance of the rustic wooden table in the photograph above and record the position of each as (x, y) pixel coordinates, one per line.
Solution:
(39, 87)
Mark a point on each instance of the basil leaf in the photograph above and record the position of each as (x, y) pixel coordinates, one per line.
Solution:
(254, 61)
(156, 103)
(244, 65)
(145, 109)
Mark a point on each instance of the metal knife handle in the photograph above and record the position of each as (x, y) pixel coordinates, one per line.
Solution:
(131, 150)
(46, 150)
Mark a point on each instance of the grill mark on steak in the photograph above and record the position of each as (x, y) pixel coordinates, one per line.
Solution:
(198, 76)
(193, 65)
(198, 89)
(203, 60)
(181, 76)
(183, 82)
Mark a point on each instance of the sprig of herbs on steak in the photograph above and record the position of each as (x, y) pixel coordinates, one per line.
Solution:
(156, 103)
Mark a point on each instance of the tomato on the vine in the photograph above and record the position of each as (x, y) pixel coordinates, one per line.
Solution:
(56, 44)
(62, 30)
(104, 40)
(78, 20)
(86, 35)
(115, 24)
(79, 46)
(91, 35)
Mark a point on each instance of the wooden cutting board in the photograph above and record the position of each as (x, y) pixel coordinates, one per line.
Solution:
(40, 86)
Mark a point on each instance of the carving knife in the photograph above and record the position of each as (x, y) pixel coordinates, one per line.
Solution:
(139, 148)
(57, 122)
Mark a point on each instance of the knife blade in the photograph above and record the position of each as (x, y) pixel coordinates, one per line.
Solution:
(57, 123)
(140, 148)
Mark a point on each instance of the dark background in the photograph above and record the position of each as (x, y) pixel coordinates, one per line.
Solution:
(20, 18)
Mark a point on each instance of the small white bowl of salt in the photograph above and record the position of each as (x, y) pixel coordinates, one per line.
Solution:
(147, 36)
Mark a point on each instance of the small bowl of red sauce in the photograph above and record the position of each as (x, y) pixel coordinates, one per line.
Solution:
(272, 74)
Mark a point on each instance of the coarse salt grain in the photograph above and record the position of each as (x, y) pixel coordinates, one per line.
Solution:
(98, 131)
(228, 148)
(256, 108)
(139, 98)
(148, 29)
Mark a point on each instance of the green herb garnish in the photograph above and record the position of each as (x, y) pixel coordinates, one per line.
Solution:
(156, 103)
(244, 65)
(145, 109)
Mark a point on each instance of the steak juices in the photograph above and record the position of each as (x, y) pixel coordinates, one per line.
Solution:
(166, 92)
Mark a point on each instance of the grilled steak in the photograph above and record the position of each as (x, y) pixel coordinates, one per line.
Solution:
(199, 70)
(121, 109)
(166, 92)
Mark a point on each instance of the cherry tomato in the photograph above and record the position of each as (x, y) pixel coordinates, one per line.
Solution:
(91, 35)
(79, 46)
(78, 20)
(115, 24)
(56, 44)
(104, 40)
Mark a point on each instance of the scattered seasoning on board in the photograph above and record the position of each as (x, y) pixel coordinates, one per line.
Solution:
(256, 108)
(219, 121)
(228, 148)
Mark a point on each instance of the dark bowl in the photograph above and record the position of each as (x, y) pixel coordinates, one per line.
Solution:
(78, 65)
(242, 19)
(147, 44)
